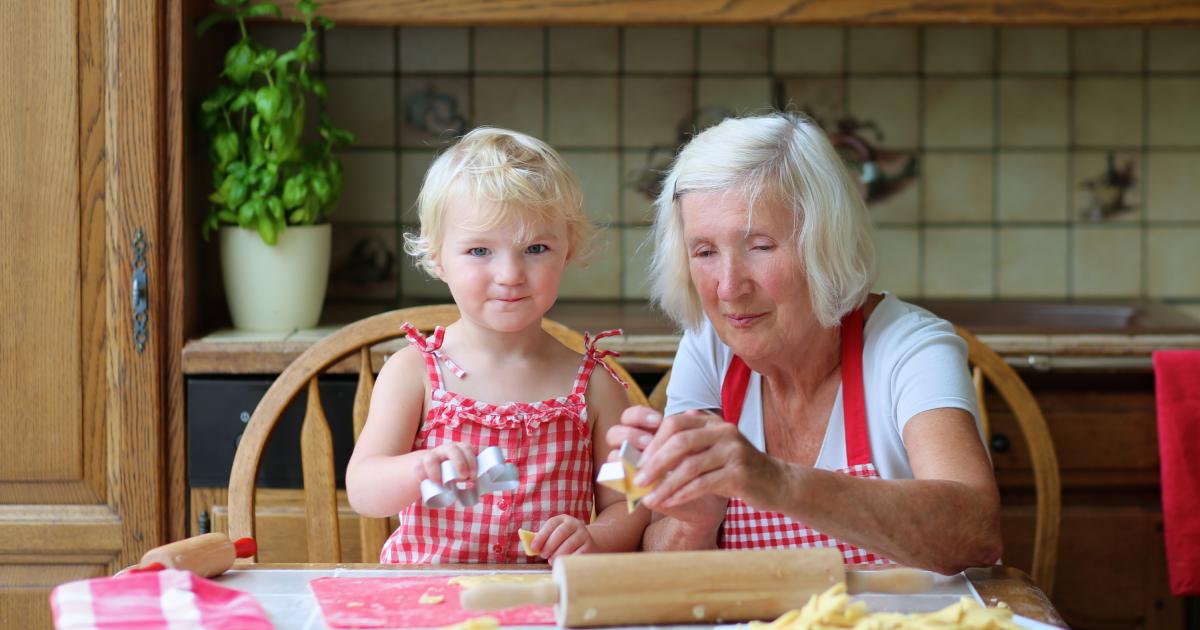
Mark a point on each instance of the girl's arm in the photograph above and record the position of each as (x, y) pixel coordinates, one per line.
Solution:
(614, 529)
(384, 475)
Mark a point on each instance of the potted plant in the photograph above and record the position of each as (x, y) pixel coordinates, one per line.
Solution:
(271, 189)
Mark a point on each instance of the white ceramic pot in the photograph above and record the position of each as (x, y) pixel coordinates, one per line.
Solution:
(280, 287)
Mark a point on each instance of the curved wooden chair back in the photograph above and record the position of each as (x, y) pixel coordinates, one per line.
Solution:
(987, 366)
(316, 445)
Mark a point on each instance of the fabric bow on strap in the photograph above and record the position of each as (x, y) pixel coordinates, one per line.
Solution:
(431, 345)
(494, 475)
(589, 345)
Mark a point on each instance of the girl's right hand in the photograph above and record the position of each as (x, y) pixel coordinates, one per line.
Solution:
(429, 464)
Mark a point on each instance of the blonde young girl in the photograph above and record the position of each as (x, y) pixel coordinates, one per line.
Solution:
(501, 216)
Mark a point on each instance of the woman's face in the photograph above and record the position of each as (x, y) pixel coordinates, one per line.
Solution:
(750, 281)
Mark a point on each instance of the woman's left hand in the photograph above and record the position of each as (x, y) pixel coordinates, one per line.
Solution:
(694, 454)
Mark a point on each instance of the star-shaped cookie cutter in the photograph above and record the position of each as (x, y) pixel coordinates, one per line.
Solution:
(619, 476)
(494, 475)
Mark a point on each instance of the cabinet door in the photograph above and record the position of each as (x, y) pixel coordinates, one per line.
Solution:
(81, 385)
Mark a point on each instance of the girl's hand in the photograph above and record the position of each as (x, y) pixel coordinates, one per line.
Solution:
(429, 464)
(696, 455)
(562, 535)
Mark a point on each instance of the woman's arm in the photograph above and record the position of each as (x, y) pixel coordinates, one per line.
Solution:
(384, 474)
(945, 520)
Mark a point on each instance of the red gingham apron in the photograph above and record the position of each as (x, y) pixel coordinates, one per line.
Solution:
(550, 443)
(748, 528)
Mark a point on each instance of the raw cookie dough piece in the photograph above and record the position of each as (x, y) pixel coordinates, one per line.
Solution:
(471, 581)
(527, 541)
(476, 623)
(428, 598)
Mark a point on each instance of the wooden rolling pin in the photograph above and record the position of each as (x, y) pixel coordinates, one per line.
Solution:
(610, 589)
(205, 555)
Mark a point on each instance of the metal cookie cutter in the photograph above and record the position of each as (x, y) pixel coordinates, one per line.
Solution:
(619, 476)
(495, 475)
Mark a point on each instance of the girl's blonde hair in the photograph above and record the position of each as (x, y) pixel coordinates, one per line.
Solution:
(516, 176)
(776, 158)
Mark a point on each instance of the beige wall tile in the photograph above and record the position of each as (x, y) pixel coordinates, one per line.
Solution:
(901, 207)
(891, 104)
(1106, 261)
(749, 95)
(360, 49)
(365, 107)
(1174, 262)
(1042, 50)
(1032, 187)
(809, 49)
(440, 108)
(1033, 263)
(821, 98)
(960, 49)
(1117, 49)
(733, 49)
(1108, 112)
(434, 50)
(897, 261)
(958, 187)
(883, 49)
(1090, 166)
(640, 168)
(637, 255)
(511, 102)
(599, 179)
(583, 112)
(1191, 310)
(1033, 112)
(510, 49)
(584, 49)
(1175, 111)
(652, 109)
(368, 188)
(958, 262)
(363, 262)
(1174, 49)
(1173, 186)
(416, 284)
(660, 49)
(602, 277)
(959, 113)
(413, 166)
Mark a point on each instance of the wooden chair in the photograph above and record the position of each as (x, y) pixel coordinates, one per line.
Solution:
(989, 367)
(320, 493)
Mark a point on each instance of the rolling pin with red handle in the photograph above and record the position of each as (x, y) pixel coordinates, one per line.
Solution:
(205, 555)
(689, 586)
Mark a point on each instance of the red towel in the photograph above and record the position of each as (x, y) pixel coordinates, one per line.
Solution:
(1177, 391)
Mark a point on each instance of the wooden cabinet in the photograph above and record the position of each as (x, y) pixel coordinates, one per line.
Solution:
(1111, 560)
(83, 380)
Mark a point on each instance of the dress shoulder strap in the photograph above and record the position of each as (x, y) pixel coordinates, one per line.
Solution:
(430, 349)
(593, 356)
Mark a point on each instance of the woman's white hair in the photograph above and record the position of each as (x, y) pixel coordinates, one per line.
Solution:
(516, 178)
(782, 159)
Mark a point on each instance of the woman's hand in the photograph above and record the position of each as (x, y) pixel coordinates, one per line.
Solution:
(429, 464)
(696, 455)
(562, 535)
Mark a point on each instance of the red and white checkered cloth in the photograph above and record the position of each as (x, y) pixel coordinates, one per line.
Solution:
(550, 443)
(165, 599)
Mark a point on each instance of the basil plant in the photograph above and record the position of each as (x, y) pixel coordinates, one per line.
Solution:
(264, 179)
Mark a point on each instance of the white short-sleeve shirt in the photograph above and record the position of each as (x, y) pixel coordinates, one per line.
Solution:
(912, 362)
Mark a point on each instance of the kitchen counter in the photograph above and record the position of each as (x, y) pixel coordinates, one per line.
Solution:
(1036, 335)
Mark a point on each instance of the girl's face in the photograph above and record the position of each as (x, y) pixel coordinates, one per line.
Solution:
(749, 277)
(499, 282)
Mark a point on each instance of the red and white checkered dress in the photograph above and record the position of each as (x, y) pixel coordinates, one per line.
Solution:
(748, 528)
(550, 442)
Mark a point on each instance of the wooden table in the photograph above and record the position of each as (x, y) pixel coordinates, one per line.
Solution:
(283, 591)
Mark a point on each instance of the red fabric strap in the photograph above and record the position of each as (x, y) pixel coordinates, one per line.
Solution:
(854, 409)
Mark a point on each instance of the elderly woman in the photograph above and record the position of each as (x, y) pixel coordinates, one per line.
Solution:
(802, 410)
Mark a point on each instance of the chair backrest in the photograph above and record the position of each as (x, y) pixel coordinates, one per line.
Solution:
(988, 366)
(316, 444)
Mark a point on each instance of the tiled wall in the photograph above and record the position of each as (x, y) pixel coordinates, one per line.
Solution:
(1007, 126)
